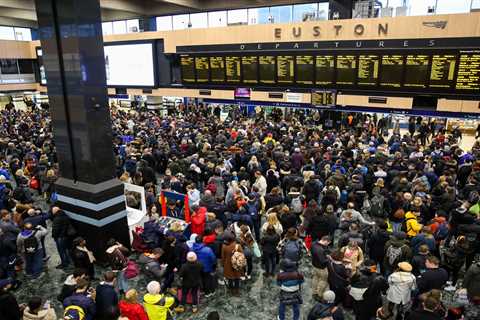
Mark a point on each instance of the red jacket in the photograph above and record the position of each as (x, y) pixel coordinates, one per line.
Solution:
(198, 221)
(133, 311)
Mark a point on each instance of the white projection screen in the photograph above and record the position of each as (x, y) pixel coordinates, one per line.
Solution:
(129, 65)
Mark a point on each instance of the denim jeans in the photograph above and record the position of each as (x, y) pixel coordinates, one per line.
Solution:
(270, 262)
(296, 311)
(34, 263)
(62, 248)
(122, 282)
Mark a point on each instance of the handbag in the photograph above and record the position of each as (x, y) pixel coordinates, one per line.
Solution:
(256, 250)
(289, 298)
(132, 270)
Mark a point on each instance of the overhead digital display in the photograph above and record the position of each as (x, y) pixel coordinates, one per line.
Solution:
(305, 70)
(442, 73)
(392, 71)
(346, 69)
(267, 69)
(368, 66)
(324, 70)
(250, 69)
(217, 69)
(202, 69)
(233, 69)
(285, 69)
(129, 65)
(323, 98)
(468, 77)
(187, 65)
(416, 71)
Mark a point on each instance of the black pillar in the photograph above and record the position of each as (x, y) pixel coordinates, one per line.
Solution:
(70, 32)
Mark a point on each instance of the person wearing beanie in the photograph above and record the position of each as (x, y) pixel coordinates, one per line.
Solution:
(402, 282)
(157, 305)
(191, 275)
(326, 309)
(290, 280)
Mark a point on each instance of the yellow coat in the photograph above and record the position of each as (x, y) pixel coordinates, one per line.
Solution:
(157, 305)
(413, 227)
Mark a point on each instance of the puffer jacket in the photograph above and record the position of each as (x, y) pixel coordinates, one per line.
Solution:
(413, 226)
(48, 314)
(206, 256)
(157, 306)
(133, 311)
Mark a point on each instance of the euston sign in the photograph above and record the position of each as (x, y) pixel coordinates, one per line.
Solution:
(316, 31)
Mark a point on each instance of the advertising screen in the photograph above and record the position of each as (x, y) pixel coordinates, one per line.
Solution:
(129, 65)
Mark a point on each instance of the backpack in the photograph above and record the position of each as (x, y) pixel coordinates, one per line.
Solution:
(132, 270)
(442, 231)
(239, 262)
(296, 205)
(394, 254)
(252, 208)
(376, 209)
(404, 224)
(73, 313)
(30, 244)
(292, 250)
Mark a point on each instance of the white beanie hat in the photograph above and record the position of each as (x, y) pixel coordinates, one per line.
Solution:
(153, 287)
(191, 256)
(329, 296)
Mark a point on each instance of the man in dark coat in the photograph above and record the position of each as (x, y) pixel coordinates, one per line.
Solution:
(106, 297)
(60, 226)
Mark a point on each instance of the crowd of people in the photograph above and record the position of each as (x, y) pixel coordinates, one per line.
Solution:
(387, 224)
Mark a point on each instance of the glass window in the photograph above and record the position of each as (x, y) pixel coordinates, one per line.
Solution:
(281, 14)
(180, 21)
(23, 34)
(107, 28)
(453, 6)
(421, 8)
(7, 33)
(217, 19)
(475, 4)
(237, 16)
(133, 26)
(164, 23)
(199, 20)
(258, 15)
(323, 11)
(119, 27)
(9, 66)
(304, 12)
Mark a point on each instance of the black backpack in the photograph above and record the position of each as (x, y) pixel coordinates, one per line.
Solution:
(30, 244)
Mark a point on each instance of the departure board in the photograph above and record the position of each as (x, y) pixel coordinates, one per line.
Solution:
(250, 69)
(305, 71)
(187, 66)
(392, 71)
(468, 77)
(324, 70)
(217, 69)
(368, 66)
(232, 69)
(267, 69)
(323, 98)
(285, 69)
(416, 71)
(442, 73)
(202, 67)
(346, 69)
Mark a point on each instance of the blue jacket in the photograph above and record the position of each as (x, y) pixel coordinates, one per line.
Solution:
(84, 302)
(206, 256)
(106, 298)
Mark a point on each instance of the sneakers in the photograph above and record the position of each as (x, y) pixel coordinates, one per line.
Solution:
(180, 309)
(221, 282)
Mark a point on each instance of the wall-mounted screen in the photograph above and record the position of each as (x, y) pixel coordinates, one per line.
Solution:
(305, 70)
(442, 72)
(242, 93)
(233, 69)
(324, 70)
(346, 69)
(285, 69)
(217, 69)
(187, 66)
(416, 70)
(250, 69)
(392, 71)
(368, 66)
(129, 65)
(202, 69)
(468, 77)
(267, 69)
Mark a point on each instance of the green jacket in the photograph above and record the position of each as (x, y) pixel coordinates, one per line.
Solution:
(157, 306)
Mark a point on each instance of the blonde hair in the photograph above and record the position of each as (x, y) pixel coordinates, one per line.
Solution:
(272, 218)
(131, 296)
